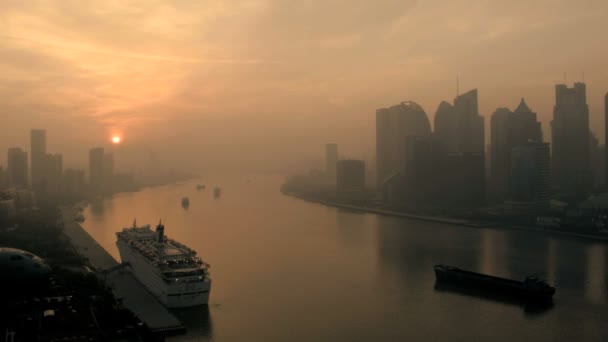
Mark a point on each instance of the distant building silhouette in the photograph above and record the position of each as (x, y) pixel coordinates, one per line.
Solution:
(96, 169)
(463, 180)
(606, 140)
(54, 174)
(508, 130)
(38, 156)
(17, 167)
(415, 185)
(459, 130)
(530, 183)
(350, 175)
(3, 178)
(393, 126)
(570, 140)
(331, 158)
(108, 170)
(73, 183)
(460, 127)
(596, 160)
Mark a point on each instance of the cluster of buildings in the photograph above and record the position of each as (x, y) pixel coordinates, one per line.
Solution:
(41, 175)
(449, 167)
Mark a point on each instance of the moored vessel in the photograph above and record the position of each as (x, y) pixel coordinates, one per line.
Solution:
(530, 288)
(170, 270)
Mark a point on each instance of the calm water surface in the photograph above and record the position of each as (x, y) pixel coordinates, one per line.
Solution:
(287, 270)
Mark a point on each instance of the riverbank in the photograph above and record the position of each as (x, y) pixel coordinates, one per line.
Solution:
(445, 220)
(84, 244)
(132, 293)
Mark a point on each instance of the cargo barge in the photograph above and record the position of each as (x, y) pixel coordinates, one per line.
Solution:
(531, 289)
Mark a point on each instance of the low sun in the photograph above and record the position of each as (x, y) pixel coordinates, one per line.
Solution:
(116, 139)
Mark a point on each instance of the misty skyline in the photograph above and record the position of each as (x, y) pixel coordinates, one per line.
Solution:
(257, 79)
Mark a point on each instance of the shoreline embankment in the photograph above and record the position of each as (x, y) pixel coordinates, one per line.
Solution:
(445, 220)
(134, 295)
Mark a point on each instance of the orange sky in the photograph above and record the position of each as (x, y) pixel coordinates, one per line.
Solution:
(262, 79)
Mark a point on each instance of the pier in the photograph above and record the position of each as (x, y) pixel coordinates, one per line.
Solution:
(134, 295)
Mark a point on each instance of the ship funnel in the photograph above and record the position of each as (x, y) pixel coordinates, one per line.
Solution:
(160, 233)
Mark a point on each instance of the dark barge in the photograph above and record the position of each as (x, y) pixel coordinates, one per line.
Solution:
(531, 289)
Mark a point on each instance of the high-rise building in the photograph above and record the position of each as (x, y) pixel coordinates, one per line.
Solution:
(463, 180)
(3, 178)
(350, 175)
(570, 140)
(17, 167)
(459, 132)
(96, 169)
(393, 126)
(530, 185)
(596, 160)
(460, 127)
(38, 155)
(509, 129)
(331, 158)
(53, 174)
(108, 169)
(606, 139)
(415, 187)
(73, 183)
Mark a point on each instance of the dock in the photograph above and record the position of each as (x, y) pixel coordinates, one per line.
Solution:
(134, 295)
(142, 303)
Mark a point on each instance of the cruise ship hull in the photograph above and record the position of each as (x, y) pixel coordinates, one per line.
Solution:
(172, 293)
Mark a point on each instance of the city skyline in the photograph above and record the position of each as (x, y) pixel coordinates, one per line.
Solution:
(229, 71)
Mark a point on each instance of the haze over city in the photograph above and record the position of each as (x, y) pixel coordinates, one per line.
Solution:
(265, 84)
(313, 170)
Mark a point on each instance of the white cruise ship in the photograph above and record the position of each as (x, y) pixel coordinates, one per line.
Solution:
(170, 270)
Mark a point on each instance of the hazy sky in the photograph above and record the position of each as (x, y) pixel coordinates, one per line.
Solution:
(273, 80)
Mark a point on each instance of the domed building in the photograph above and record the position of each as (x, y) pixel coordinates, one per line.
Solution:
(393, 125)
(17, 266)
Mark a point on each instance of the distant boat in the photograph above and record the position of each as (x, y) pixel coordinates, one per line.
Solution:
(185, 202)
(200, 187)
(217, 192)
(79, 218)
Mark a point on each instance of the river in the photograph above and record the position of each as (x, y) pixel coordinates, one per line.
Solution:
(287, 270)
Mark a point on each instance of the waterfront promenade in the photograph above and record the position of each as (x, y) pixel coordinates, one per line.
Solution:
(446, 220)
(133, 294)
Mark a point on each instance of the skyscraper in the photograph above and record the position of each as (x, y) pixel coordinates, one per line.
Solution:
(17, 167)
(459, 132)
(508, 130)
(570, 140)
(3, 178)
(73, 183)
(500, 154)
(596, 161)
(460, 127)
(606, 139)
(38, 155)
(53, 174)
(393, 126)
(415, 186)
(108, 169)
(96, 169)
(331, 158)
(530, 185)
(350, 175)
